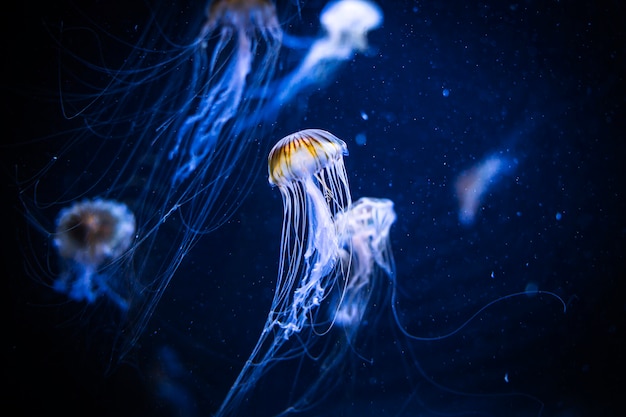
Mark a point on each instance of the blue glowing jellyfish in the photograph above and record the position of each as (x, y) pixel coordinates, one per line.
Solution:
(346, 24)
(90, 236)
(307, 167)
(218, 113)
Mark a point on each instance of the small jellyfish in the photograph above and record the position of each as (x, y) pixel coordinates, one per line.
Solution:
(308, 169)
(366, 254)
(346, 24)
(88, 235)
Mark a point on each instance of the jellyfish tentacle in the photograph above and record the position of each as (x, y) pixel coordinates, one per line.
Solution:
(304, 166)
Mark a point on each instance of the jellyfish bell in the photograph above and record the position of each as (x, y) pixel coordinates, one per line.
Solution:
(345, 26)
(89, 234)
(307, 166)
(242, 14)
(93, 231)
(299, 155)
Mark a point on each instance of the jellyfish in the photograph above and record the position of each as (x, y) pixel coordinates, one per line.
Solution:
(308, 169)
(245, 32)
(346, 24)
(90, 234)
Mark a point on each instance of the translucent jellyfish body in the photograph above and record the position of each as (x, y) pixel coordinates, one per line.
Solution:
(90, 234)
(472, 185)
(307, 167)
(245, 37)
(345, 25)
(366, 254)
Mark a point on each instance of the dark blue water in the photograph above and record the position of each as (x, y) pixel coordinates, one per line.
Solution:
(444, 85)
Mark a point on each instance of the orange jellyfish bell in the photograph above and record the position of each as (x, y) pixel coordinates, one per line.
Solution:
(302, 154)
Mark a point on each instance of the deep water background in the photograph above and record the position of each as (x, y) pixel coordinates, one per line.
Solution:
(445, 84)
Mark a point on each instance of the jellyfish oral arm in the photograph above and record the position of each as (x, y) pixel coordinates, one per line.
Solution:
(203, 129)
(320, 258)
(346, 23)
(82, 282)
(322, 228)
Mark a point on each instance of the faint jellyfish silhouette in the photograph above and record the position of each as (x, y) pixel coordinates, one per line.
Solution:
(245, 52)
(471, 185)
(89, 235)
(346, 24)
(307, 167)
(366, 254)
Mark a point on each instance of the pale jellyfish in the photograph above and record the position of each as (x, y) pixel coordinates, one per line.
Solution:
(366, 254)
(346, 24)
(89, 237)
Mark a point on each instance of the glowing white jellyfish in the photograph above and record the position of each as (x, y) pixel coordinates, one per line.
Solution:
(307, 167)
(366, 254)
(346, 24)
(90, 234)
